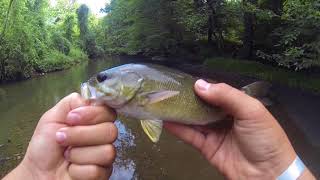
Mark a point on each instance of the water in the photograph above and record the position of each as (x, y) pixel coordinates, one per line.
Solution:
(22, 104)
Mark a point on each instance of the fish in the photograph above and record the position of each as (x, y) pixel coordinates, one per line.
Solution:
(154, 93)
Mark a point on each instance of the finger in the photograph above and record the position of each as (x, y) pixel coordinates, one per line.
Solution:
(186, 133)
(229, 98)
(89, 172)
(102, 155)
(104, 133)
(208, 144)
(90, 115)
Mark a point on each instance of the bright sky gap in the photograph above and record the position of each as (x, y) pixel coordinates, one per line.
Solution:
(94, 5)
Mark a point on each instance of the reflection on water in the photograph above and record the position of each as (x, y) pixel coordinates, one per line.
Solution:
(123, 168)
(22, 104)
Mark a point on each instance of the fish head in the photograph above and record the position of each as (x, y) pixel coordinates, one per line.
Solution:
(114, 87)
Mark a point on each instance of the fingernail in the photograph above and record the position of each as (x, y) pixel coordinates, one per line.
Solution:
(61, 136)
(73, 118)
(202, 85)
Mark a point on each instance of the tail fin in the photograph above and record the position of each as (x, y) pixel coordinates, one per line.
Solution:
(259, 90)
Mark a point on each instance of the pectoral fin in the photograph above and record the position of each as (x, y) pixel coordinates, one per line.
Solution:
(157, 96)
(152, 128)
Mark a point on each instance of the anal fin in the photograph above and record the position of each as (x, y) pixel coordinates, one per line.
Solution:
(153, 128)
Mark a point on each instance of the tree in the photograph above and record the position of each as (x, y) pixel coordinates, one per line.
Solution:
(87, 37)
(32, 40)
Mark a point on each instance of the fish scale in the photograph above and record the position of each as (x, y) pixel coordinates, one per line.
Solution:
(185, 107)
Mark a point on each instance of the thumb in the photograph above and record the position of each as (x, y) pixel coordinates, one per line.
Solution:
(232, 100)
(59, 112)
(70, 102)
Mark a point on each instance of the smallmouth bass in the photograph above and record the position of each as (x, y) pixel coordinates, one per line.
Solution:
(153, 94)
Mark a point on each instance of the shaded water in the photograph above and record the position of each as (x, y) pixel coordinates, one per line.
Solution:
(22, 104)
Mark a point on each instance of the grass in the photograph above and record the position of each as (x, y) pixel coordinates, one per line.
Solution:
(267, 72)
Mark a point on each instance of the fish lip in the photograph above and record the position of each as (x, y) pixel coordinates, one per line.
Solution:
(86, 93)
(91, 91)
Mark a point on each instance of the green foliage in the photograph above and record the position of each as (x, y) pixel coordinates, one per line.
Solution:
(60, 43)
(298, 44)
(34, 39)
(88, 39)
(56, 60)
(281, 31)
(15, 64)
(69, 24)
(83, 16)
(38, 37)
(192, 18)
(141, 26)
(169, 28)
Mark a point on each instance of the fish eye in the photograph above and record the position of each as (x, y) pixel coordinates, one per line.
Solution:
(102, 77)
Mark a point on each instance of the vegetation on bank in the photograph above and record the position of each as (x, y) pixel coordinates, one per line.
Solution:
(56, 60)
(283, 32)
(266, 72)
(38, 38)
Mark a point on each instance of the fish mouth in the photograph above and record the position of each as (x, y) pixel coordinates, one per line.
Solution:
(92, 91)
(87, 92)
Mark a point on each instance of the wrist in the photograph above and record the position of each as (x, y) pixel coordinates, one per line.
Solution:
(284, 163)
(279, 162)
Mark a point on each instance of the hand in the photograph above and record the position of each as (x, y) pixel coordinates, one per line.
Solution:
(71, 141)
(254, 147)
